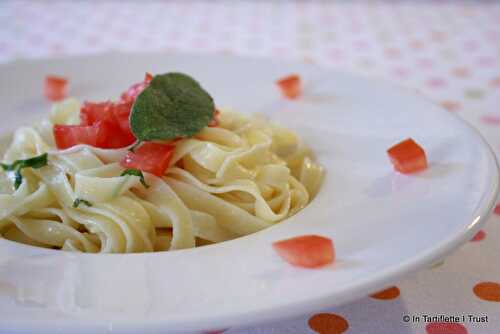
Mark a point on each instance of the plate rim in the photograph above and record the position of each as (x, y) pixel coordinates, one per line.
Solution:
(363, 286)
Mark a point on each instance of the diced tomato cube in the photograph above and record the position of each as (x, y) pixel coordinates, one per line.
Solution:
(150, 157)
(70, 135)
(131, 94)
(407, 156)
(290, 86)
(103, 134)
(117, 138)
(117, 117)
(148, 77)
(55, 87)
(309, 251)
(121, 113)
(92, 112)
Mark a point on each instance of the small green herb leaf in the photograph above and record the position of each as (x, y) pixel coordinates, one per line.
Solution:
(18, 179)
(172, 105)
(135, 172)
(79, 201)
(35, 162)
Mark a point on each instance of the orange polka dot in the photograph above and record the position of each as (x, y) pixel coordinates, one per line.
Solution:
(445, 328)
(489, 291)
(308, 60)
(451, 105)
(438, 36)
(416, 44)
(461, 72)
(390, 293)
(479, 236)
(495, 82)
(328, 323)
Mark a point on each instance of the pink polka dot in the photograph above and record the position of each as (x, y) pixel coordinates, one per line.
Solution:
(92, 40)
(56, 48)
(392, 53)
(445, 328)
(424, 63)
(471, 45)
(401, 72)
(37, 37)
(479, 236)
(486, 61)
(355, 28)
(436, 82)
(493, 35)
(279, 51)
(490, 119)
(123, 34)
(360, 45)
(200, 43)
(336, 54)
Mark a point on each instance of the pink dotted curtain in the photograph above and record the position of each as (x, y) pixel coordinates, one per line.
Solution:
(447, 50)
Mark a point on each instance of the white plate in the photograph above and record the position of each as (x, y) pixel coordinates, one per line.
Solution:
(384, 224)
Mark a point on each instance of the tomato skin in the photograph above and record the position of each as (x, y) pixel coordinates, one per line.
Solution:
(407, 157)
(308, 251)
(92, 112)
(121, 113)
(131, 94)
(67, 136)
(55, 87)
(290, 86)
(150, 157)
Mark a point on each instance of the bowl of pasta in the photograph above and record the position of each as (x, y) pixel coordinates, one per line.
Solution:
(187, 193)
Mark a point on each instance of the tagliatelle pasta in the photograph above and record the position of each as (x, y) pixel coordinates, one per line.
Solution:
(230, 180)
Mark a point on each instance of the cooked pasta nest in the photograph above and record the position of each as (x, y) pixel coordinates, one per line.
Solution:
(227, 181)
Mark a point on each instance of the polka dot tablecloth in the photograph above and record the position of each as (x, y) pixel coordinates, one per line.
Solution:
(446, 50)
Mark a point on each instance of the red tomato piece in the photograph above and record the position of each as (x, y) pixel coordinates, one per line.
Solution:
(117, 117)
(309, 251)
(117, 138)
(121, 113)
(215, 120)
(55, 87)
(150, 157)
(290, 86)
(70, 135)
(92, 112)
(407, 156)
(148, 77)
(131, 94)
